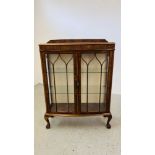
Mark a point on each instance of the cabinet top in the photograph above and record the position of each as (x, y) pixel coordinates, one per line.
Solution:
(77, 41)
(77, 44)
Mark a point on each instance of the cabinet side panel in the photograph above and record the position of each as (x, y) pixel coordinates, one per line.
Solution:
(109, 80)
(45, 80)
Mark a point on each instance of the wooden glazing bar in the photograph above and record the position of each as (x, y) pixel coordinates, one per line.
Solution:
(79, 81)
(75, 81)
(67, 86)
(54, 86)
(100, 88)
(87, 87)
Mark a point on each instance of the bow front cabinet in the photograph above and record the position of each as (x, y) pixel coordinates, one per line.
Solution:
(77, 77)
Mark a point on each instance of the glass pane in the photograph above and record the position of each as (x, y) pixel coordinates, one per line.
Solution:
(61, 81)
(93, 82)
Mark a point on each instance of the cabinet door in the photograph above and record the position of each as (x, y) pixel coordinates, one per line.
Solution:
(93, 77)
(60, 80)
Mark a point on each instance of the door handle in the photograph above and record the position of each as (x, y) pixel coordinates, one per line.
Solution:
(78, 83)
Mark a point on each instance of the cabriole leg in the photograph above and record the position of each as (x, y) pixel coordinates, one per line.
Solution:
(108, 121)
(47, 120)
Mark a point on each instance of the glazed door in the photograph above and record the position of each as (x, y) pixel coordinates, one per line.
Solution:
(60, 78)
(93, 87)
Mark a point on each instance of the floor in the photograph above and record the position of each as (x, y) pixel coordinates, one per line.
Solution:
(79, 135)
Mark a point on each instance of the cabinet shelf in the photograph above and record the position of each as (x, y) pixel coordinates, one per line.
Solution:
(92, 89)
(63, 107)
(73, 72)
(77, 93)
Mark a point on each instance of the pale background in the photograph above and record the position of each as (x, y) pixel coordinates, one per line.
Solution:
(62, 19)
(20, 17)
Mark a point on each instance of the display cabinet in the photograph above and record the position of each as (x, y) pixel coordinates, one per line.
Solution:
(77, 77)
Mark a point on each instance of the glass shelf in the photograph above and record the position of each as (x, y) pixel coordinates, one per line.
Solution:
(73, 72)
(93, 89)
(92, 107)
(60, 72)
(80, 93)
(93, 72)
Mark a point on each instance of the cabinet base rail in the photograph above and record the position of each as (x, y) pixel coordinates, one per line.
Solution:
(47, 115)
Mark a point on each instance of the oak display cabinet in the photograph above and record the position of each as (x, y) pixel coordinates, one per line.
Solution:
(77, 77)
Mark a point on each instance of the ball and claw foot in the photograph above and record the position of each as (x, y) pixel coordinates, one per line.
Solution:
(47, 126)
(48, 123)
(108, 126)
(109, 119)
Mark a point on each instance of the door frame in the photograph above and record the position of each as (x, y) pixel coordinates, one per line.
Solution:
(45, 66)
(108, 79)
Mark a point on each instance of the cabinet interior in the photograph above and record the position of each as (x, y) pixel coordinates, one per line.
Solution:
(61, 83)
